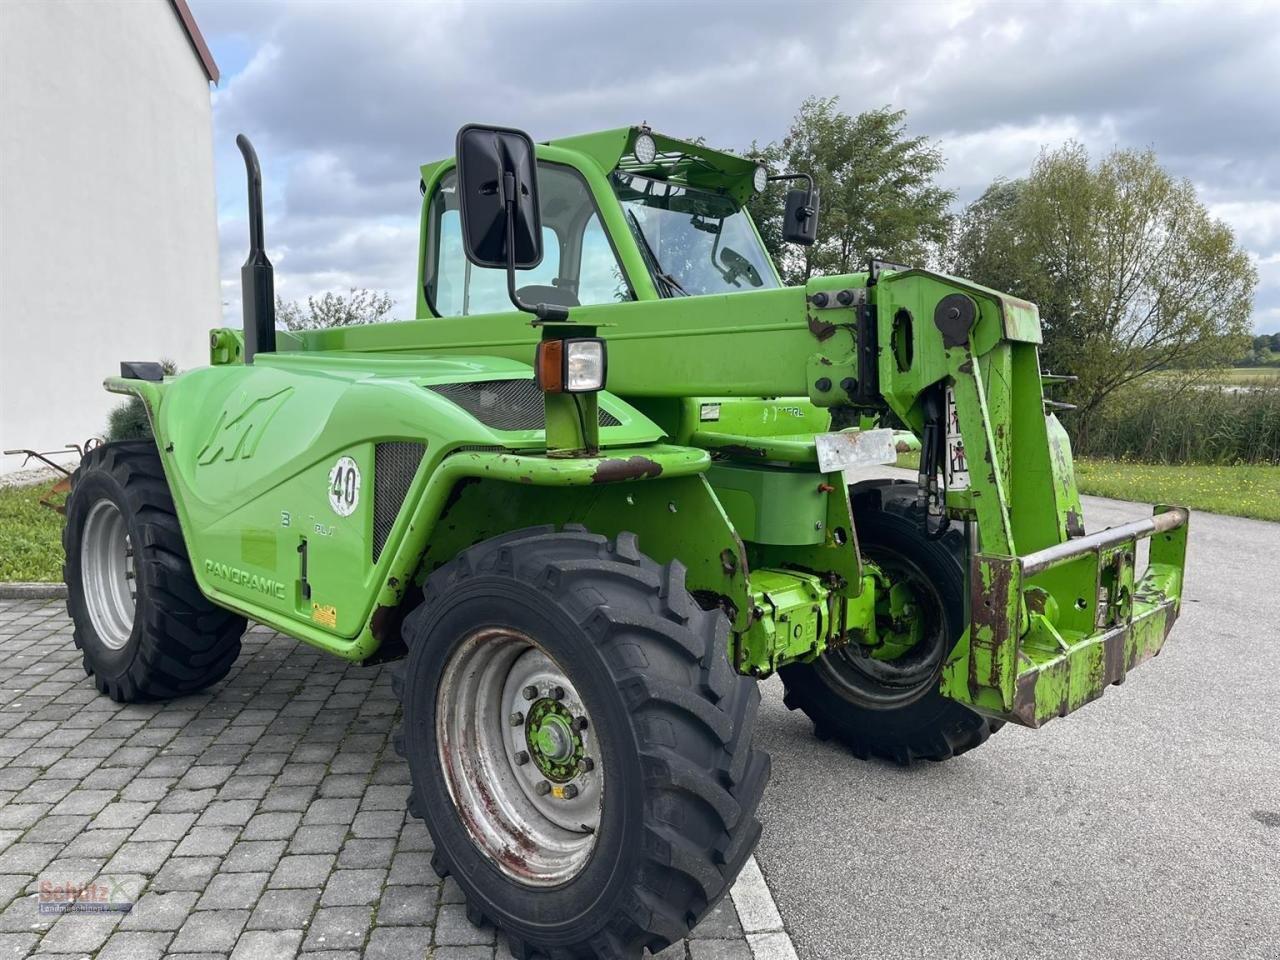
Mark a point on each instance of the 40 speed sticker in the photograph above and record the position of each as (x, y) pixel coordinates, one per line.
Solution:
(344, 487)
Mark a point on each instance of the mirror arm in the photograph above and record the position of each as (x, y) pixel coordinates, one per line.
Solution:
(543, 311)
(807, 178)
(808, 188)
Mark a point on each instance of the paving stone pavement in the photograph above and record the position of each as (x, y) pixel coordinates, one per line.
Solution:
(262, 820)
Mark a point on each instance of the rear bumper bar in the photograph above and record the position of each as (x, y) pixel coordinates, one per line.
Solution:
(1042, 560)
(1050, 631)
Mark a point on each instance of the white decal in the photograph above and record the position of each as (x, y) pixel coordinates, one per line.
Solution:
(344, 487)
(957, 463)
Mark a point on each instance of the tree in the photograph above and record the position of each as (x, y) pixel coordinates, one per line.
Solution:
(1129, 271)
(877, 195)
(1262, 351)
(334, 310)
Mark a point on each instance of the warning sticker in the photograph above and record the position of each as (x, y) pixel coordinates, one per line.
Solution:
(957, 463)
(325, 614)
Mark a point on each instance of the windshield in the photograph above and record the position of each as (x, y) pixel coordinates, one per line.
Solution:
(696, 242)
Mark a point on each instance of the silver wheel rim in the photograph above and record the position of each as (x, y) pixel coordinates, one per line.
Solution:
(538, 829)
(107, 574)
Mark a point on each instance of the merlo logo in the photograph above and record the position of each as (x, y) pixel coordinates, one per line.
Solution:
(237, 437)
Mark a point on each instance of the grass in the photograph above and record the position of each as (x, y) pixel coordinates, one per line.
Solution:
(1223, 376)
(30, 535)
(1247, 376)
(1245, 490)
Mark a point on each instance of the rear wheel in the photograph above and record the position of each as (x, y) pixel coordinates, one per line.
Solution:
(884, 702)
(145, 630)
(578, 744)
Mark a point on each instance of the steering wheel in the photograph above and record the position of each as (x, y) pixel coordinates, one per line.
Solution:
(736, 265)
(557, 296)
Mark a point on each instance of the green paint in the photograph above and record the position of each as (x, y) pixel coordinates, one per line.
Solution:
(706, 455)
(752, 493)
(554, 744)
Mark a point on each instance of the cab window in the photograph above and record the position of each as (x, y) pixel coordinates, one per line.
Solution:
(579, 265)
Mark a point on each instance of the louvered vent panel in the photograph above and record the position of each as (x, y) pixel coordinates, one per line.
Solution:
(505, 404)
(395, 463)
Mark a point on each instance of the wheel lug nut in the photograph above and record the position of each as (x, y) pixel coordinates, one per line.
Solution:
(542, 788)
(516, 718)
(579, 724)
(586, 764)
(569, 791)
(531, 692)
(521, 758)
(557, 693)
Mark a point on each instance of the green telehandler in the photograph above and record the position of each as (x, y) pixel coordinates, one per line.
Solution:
(591, 496)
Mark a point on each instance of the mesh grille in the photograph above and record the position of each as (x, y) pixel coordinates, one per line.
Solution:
(505, 404)
(394, 465)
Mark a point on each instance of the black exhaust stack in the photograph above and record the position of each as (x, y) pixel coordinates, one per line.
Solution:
(257, 279)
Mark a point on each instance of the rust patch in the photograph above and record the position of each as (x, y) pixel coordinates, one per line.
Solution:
(385, 627)
(990, 610)
(633, 468)
(1036, 599)
(1024, 702)
(1075, 525)
(380, 621)
(1114, 661)
(515, 859)
(821, 329)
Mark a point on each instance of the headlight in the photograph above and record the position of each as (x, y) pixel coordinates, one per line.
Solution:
(645, 149)
(583, 365)
(760, 179)
(577, 365)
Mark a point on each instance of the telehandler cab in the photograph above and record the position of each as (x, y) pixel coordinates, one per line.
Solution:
(590, 524)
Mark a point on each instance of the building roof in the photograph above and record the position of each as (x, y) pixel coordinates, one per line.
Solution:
(198, 45)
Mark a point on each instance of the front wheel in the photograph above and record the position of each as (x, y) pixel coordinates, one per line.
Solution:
(145, 630)
(885, 702)
(578, 745)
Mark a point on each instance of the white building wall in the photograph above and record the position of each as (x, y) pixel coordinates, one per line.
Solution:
(108, 224)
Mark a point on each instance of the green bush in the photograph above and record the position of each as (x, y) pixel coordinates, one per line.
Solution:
(129, 420)
(1166, 421)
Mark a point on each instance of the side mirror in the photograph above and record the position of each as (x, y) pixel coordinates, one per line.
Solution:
(498, 203)
(800, 217)
(498, 197)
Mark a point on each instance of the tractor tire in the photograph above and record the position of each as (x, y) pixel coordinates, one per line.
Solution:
(893, 709)
(145, 630)
(578, 745)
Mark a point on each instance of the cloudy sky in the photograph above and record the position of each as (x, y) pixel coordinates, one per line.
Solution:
(345, 100)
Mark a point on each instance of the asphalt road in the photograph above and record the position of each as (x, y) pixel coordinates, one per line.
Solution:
(1146, 825)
